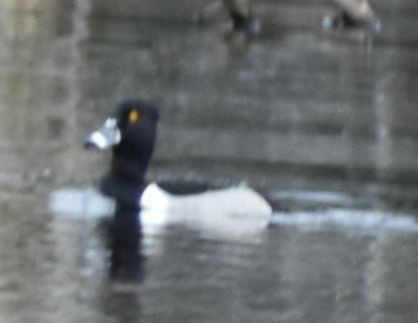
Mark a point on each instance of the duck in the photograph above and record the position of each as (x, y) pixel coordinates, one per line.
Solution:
(131, 134)
(353, 13)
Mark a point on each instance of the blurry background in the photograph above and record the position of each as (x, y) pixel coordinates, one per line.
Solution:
(297, 109)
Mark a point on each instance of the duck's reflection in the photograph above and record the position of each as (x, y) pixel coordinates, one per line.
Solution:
(122, 306)
(127, 261)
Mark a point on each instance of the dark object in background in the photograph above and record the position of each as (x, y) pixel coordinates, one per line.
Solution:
(239, 11)
(353, 13)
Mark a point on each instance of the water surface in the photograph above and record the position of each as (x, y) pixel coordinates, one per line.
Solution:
(322, 123)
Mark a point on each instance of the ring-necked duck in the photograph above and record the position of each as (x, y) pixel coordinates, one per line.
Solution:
(131, 133)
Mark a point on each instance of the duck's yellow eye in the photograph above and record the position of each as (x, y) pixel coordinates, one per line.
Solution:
(134, 116)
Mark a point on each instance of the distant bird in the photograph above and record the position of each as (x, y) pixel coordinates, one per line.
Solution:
(353, 13)
(239, 11)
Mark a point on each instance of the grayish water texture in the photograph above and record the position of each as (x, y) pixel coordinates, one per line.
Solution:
(323, 123)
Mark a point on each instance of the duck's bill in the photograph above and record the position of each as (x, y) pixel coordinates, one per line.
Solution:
(107, 136)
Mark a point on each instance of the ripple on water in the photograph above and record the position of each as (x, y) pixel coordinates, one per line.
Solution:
(360, 221)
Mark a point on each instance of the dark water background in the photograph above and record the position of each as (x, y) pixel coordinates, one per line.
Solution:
(303, 115)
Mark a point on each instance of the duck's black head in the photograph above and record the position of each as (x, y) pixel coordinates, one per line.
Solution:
(131, 133)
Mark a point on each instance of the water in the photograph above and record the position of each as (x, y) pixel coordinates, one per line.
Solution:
(322, 123)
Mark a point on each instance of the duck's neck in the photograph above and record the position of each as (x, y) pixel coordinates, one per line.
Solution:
(132, 171)
(124, 182)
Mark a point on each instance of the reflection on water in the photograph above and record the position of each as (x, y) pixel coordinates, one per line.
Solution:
(322, 122)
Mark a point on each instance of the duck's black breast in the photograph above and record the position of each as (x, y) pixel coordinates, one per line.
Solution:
(123, 191)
